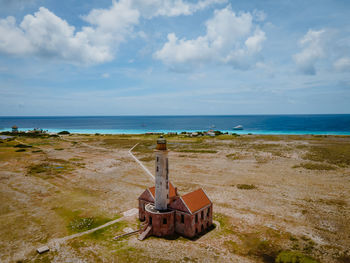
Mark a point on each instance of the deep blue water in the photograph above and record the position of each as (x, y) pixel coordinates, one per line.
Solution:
(258, 124)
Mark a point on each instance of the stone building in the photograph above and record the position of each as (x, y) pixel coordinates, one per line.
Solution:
(165, 212)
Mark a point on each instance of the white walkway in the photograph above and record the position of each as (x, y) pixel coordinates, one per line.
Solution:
(143, 167)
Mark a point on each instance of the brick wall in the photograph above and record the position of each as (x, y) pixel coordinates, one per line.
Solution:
(162, 223)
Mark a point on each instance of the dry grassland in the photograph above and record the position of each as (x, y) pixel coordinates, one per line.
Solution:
(276, 198)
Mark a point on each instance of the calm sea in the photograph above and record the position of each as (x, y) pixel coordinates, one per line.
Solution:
(256, 124)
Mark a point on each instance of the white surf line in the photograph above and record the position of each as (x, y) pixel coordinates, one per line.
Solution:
(143, 167)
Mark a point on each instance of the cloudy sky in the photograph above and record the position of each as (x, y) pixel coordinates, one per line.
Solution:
(181, 57)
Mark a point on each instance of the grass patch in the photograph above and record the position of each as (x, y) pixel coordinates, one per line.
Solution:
(49, 168)
(108, 232)
(262, 159)
(147, 158)
(120, 143)
(59, 149)
(20, 150)
(294, 257)
(334, 202)
(235, 156)
(246, 186)
(196, 151)
(225, 225)
(336, 154)
(81, 224)
(78, 221)
(315, 166)
(20, 145)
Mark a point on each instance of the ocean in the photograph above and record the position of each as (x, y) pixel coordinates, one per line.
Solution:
(337, 124)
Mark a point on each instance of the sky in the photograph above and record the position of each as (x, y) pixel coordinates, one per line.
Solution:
(181, 57)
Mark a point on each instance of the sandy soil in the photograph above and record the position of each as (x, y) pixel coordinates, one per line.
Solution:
(298, 197)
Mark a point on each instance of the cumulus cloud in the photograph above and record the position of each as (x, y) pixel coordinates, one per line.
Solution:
(313, 49)
(153, 8)
(46, 35)
(342, 64)
(230, 39)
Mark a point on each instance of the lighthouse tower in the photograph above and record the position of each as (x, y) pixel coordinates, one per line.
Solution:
(161, 180)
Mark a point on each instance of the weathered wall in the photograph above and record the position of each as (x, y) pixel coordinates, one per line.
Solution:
(190, 227)
(158, 227)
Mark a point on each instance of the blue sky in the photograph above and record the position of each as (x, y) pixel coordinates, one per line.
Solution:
(162, 57)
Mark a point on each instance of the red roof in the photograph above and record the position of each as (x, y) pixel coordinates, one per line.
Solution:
(196, 200)
(172, 192)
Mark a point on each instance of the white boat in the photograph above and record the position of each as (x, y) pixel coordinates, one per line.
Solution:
(238, 127)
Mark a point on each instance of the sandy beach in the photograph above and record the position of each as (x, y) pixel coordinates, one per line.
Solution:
(270, 193)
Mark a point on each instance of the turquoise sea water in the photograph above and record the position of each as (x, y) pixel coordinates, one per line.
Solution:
(255, 124)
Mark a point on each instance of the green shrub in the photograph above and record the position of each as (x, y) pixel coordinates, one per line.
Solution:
(315, 166)
(63, 132)
(21, 150)
(246, 186)
(22, 146)
(294, 257)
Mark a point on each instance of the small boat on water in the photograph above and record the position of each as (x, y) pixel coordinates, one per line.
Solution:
(238, 127)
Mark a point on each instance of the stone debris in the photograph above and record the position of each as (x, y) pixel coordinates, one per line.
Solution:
(43, 249)
(128, 229)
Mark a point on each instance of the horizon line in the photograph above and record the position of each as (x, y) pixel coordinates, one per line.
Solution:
(170, 115)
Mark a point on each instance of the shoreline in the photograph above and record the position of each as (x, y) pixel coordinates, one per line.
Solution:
(164, 131)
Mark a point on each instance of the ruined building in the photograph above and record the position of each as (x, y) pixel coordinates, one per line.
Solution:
(165, 212)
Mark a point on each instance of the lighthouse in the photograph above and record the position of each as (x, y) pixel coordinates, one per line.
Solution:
(164, 212)
(161, 179)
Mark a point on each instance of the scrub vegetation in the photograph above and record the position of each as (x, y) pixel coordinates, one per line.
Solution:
(276, 198)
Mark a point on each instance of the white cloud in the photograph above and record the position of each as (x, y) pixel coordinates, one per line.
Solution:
(105, 75)
(342, 64)
(313, 44)
(259, 15)
(230, 39)
(46, 35)
(153, 8)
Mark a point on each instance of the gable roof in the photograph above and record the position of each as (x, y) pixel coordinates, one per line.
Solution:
(172, 192)
(196, 200)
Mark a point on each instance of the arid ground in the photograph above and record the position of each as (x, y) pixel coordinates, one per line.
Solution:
(275, 198)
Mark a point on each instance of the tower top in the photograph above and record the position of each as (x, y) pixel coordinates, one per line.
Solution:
(161, 144)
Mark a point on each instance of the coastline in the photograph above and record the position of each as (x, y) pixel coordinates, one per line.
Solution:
(165, 131)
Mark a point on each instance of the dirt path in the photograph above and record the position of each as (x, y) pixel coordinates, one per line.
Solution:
(137, 160)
